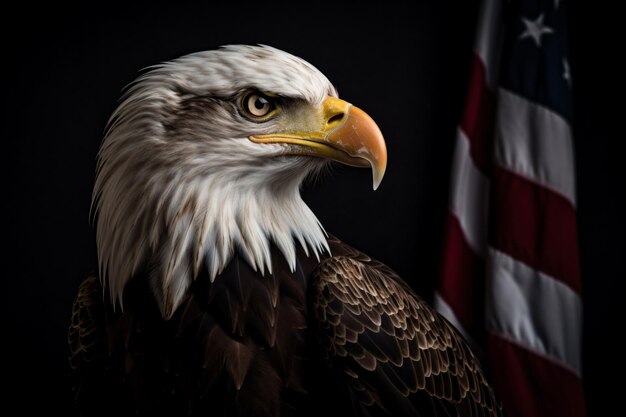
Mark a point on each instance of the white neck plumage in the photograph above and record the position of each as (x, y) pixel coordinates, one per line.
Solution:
(182, 224)
(250, 219)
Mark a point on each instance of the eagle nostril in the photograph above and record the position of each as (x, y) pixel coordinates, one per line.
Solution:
(335, 118)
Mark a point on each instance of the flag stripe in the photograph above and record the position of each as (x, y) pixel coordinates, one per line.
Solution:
(462, 280)
(533, 309)
(536, 226)
(517, 294)
(522, 372)
(477, 119)
(445, 310)
(487, 39)
(469, 196)
(535, 142)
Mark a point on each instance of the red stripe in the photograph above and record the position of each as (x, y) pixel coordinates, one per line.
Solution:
(462, 280)
(478, 117)
(531, 386)
(536, 226)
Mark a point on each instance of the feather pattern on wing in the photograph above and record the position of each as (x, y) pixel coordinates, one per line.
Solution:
(398, 355)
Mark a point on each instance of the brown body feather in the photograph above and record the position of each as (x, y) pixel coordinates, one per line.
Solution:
(342, 336)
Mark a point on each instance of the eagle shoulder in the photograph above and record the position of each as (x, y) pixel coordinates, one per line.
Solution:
(87, 340)
(397, 354)
(84, 333)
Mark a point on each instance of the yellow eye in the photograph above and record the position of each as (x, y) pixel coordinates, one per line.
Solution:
(258, 105)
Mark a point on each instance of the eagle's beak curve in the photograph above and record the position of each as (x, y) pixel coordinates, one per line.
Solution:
(346, 134)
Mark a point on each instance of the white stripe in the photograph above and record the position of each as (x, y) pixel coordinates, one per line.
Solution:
(469, 195)
(536, 143)
(534, 309)
(446, 311)
(488, 39)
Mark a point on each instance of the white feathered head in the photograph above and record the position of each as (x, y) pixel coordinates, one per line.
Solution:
(205, 156)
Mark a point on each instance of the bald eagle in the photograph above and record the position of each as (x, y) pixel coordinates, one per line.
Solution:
(219, 292)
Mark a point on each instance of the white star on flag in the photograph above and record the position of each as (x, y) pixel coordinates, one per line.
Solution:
(535, 29)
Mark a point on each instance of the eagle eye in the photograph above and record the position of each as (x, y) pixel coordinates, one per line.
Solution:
(258, 105)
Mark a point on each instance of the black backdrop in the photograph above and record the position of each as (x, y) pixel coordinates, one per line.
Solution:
(407, 66)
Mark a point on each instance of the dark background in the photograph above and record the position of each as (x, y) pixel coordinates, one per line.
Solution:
(407, 66)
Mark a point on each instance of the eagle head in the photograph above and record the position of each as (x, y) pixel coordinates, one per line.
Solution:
(205, 156)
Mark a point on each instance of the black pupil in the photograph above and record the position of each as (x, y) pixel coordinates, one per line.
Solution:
(260, 103)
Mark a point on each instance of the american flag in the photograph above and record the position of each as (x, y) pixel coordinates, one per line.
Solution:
(511, 278)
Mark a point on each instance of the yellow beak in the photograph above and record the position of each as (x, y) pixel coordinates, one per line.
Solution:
(346, 134)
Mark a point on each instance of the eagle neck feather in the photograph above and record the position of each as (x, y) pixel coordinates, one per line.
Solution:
(184, 224)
